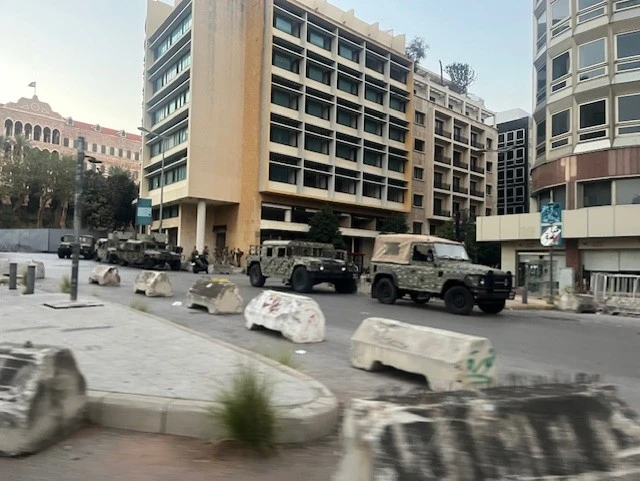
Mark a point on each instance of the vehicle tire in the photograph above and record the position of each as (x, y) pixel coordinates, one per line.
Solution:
(148, 263)
(346, 287)
(420, 298)
(175, 265)
(386, 291)
(301, 280)
(255, 276)
(459, 300)
(492, 307)
(68, 256)
(60, 256)
(122, 262)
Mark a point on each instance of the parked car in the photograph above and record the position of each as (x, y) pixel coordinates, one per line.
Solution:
(87, 246)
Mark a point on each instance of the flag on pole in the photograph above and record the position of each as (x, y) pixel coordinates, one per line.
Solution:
(32, 84)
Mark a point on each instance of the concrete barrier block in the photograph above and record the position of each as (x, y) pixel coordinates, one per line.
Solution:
(298, 318)
(105, 275)
(218, 295)
(533, 432)
(577, 303)
(153, 284)
(4, 267)
(42, 397)
(22, 269)
(449, 360)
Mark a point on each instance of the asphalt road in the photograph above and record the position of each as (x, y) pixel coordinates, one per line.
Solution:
(528, 343)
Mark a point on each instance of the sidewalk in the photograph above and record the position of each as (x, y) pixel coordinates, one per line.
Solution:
(147, 374)
(533, 304)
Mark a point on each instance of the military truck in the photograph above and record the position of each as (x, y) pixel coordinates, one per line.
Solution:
(87, 246)
(423, 267)
(148, 254)
(300, 265)
(107, 247)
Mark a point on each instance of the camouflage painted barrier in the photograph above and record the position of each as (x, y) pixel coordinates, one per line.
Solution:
(553, 431)
(153, 284)
(105, 275)
(449, 360)
(218, 295)
(42, 397)
(298, 318)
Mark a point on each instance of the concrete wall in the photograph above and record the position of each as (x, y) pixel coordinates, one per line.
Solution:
(36, 240)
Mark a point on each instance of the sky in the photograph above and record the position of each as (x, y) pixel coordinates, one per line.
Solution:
(87, 55)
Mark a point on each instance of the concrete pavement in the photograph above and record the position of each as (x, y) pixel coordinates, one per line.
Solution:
(147, 374)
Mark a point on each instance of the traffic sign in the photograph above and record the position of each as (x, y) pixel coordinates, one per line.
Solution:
(551, 236)
(551, 224)
(143, 212)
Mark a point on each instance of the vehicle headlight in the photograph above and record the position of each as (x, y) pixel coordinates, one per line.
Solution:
(321, 268)
(481, 281)
(344, 269)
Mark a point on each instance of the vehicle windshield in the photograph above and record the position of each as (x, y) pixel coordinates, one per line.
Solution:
(451, 251)
(314, 252)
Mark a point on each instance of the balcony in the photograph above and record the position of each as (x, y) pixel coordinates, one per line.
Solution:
(477, 145)
(477, 168)
(476, 193)
(461, 139)
(442, 159)
(459, 163)
(442, 133)
(441, 185)
(441, 213)
(460, 190)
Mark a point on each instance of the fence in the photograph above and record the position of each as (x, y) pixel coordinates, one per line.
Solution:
(619, 293)
(36, 240)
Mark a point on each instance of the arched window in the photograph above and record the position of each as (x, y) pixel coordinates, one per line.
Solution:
(46, 135)
(28, 131)
(17, 128)
(55, 138)
(37, 133)
(56, 153)
(46, 150)
(8, 128)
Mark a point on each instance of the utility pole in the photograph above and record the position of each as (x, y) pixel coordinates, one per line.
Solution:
(75, 262)
(551, 300)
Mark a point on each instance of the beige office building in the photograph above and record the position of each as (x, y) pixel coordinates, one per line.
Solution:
(587, 124)
(270, 109)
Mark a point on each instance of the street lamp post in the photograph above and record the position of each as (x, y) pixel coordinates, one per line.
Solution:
(162, 147)
(77, 218)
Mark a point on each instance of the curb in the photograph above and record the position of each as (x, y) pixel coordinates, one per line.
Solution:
(532, 307)
(189, 417)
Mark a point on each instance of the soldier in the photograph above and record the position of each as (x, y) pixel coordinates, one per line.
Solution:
(205, 253)
(194, 254)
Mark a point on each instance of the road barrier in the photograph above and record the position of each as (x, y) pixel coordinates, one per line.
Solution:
(218, 295)
(153, 284)
(105, 275)
(616, 293)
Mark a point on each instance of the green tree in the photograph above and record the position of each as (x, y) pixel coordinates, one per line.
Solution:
(485, 253)
(462, 76)
(446, 230)
(417, 50)
(115, 170)
(395, 224)
(107, 200)
(324, 226)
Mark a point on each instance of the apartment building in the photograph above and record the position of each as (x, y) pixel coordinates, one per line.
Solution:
(587, 134)
(454, 154)
(46, 129)
(270, 109)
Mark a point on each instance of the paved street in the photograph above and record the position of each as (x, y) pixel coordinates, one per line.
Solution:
(528, 342)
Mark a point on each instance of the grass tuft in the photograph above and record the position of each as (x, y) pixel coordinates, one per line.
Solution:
(139, 305)
(65, 284)
(246, 411)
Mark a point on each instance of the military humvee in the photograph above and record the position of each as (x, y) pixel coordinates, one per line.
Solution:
(87, 246)
(147, 253)
(301, 265)
(426, 266)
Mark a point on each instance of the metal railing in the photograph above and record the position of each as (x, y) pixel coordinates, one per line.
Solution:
(460, 189)
(441, 185)
(442, 159)
(459, 163)
(441, 213)
(477, 168)
(443, 133)
(461, 139)
(607, 286)
(476, 193)
(476, 144)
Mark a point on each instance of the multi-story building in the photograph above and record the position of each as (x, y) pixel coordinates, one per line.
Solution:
(587, 116)
(454, 155)
(515, 152)
(271, 109)
(45, 129)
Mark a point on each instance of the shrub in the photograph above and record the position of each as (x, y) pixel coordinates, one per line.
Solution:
(65, 284)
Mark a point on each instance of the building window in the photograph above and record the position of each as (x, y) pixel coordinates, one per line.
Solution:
(372, 190)
(349, 52)
(628, 45)
(347, 118)
(593, 114)
(489, 189)
(103, 149)
(136, 156)
(374, 63)
(560, 11)
(541, 30)
(418, 200)
(284, 98)
(592, 53)
(396, 134)
(419, 118)
(372, 158)
(489, 144)
(283, 173)
(487, 212)
(317, 109)
(395, 195)
(316, 144)
(170, 107)
(319, 40)
(372, 127)
(345, 151)
(65, 142)
(561, 123)
(374, 95)
(286, 62)
(175, 35)
(94, 147)
(596, 193)
(173, 71)
(347, 85)
(541, 132)
(280, 135)
(346, 185)
(489, 166)
(628, 191)
(397, 104)
(629, 108)
(418, 173)
(396, 164)
(418, 145)
(584, 4)
(319, 74)
(112, 151)
(316, 180)
(286, 25)
(417, 227)
(128, 154)
(560, 66)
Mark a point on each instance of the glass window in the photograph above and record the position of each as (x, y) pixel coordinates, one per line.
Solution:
(417, 227)
(345, 185)
(372, 158)
(592, 53)
(593, 114)
(418, 145)
(372, 190)
(316, 180)
(596, 193)
(628, 191)
(349, 52)
(345, 151)
(282, 173)
(284, 98)
(316, 144)
(396, 164)
(398, 74)
(397, 104)
(560, 10)
(286, 25)
(542, 25)
(629, 108)
(319, 74)
(372, 127)
(541, 131)
(347, 85)
(281, 135)
(418, 173)
(374, 63)
(396, 134)
(561, 66)
(541, 78)
(419, 118)
(347, 118)
(319, 40)
(583, 4)
(286, 62)
(373, 95)
(628, 44)
(561, 123)
(418, 200)
(317, 109)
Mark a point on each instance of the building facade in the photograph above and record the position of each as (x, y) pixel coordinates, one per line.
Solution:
(454, 155)
(269, 110)
(46, 129)
(587, 131)
(515, 152)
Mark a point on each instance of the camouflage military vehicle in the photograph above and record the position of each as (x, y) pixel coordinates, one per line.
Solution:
(425, 266)
(107, 248)
(301, 265)
(87, 246)
(147, 253)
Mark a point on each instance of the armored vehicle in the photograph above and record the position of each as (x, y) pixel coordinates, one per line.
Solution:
(87, 246)
(426, 266)
(301, 265)
(147, 253)
(107, 248)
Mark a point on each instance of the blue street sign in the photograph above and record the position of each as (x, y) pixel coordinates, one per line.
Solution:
(143, 212)
(551, 225)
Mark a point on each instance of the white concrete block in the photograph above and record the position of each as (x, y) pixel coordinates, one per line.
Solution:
(22, 269)
(449, 360)
(105, 275)
(298, 318)
(577, 303)
(218, 295)
(153, 284)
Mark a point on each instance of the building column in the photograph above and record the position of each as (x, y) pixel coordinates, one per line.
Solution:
(201, 222)
(573, 260)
